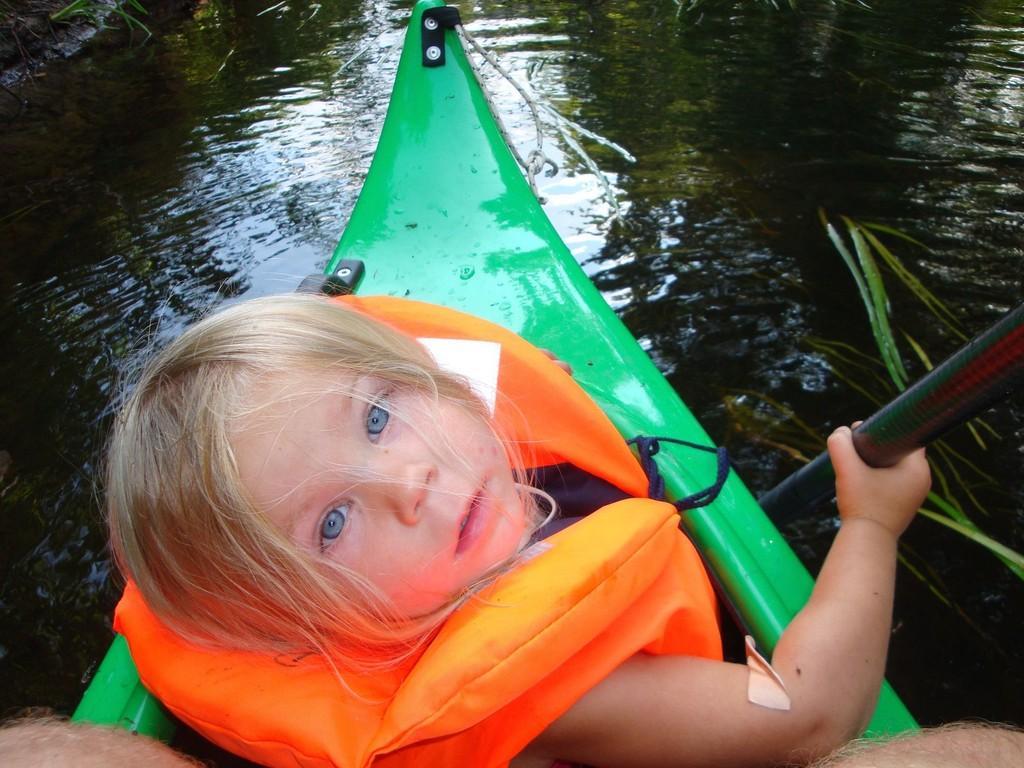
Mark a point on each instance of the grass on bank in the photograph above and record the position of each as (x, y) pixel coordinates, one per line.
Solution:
(97, 12)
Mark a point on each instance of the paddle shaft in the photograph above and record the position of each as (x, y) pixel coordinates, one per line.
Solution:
(981, 373)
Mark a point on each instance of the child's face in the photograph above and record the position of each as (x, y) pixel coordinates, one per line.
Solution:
(372, 482)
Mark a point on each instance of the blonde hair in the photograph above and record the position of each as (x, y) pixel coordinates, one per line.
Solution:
(208, 563)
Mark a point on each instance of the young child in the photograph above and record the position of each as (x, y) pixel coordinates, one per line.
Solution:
(323, 526)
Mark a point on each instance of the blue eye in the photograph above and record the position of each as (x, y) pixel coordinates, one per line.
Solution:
(333, 525)
(377, 418)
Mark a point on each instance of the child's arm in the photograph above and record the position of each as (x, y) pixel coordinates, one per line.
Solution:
(681, 711)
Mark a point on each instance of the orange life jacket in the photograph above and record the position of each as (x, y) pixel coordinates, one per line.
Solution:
(504, 666)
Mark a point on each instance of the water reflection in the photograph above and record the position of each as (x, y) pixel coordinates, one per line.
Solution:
(722, 268)
(136, 201)
(145, 185)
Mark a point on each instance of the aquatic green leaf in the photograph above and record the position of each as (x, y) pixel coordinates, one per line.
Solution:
(963, 460)
(845, 352)
(1014, 560)
(75, 8)
(977, 437)
(919, 351)
(96, 11)
(951, 509)
(988, 428)
(895, 233)
(19, 213)
(879, 315)
(849, 365)
(858, 276)
(929, 299)
(935, 585)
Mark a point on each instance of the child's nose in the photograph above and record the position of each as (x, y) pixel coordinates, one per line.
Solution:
(412, 489)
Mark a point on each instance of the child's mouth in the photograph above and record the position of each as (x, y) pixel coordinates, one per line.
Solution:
(472, 523)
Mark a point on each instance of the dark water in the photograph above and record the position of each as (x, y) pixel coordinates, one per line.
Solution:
(144, 184)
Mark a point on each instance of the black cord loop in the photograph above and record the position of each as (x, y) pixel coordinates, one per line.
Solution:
(648, 448)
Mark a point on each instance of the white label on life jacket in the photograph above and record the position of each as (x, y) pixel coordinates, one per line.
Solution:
(475, 361)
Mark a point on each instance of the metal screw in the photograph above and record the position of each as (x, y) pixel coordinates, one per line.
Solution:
(433, 53)
(344, 272)
(430, 23)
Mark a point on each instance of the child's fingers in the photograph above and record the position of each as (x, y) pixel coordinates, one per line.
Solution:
(850, 469)
(918, 472)
(890, 496)
(840, 448)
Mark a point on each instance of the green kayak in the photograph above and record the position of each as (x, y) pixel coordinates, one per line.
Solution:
(445, 216)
